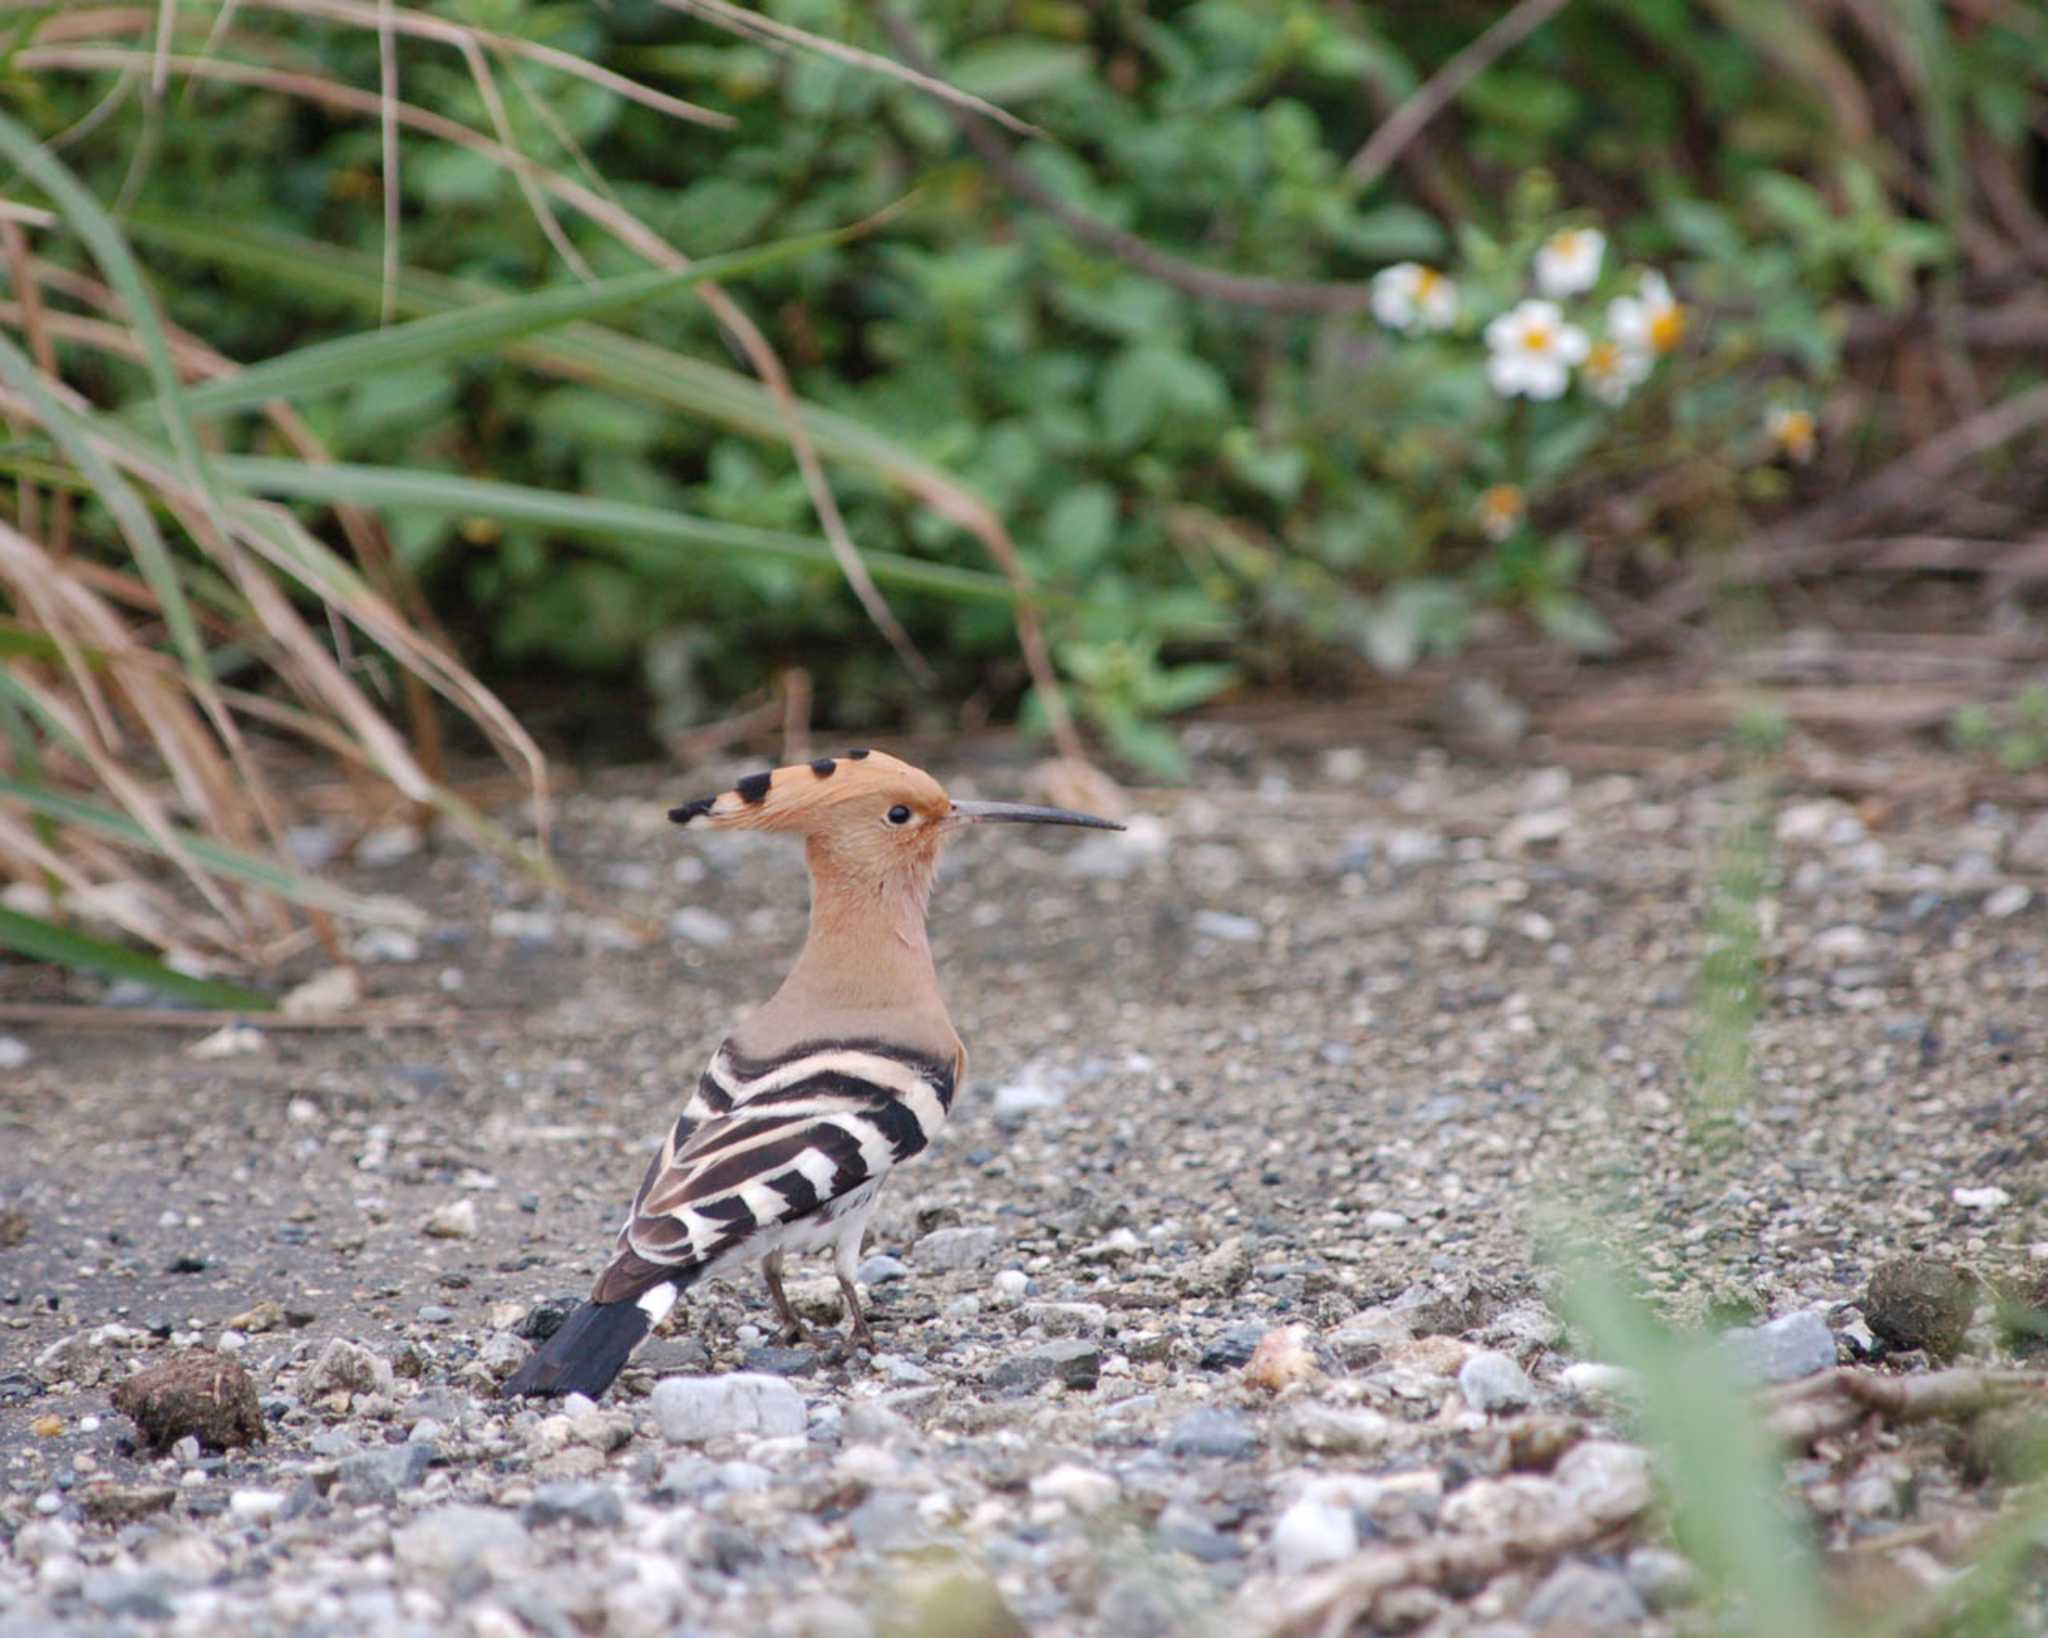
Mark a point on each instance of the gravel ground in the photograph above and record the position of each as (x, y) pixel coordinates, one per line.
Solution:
(1224, 1272)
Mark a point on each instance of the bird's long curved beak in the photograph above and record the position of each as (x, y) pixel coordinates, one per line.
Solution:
(1023, 813)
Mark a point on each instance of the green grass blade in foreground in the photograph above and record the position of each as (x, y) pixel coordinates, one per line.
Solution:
(41, 940)
(1721, 1476)
(217, 857)
(619, 523)
(470, 331)
(588, 353)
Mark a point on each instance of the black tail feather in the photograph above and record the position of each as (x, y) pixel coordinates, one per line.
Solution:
(590, 1349)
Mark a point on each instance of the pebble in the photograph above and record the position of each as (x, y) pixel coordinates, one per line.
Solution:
(1578, 1598)
(580, 1502)
(1081, 1489)
(1220, 924)
(1791, 1346)
(881, 1268)
(1009, 1286)
(256, 1506)
(696, 925)
(14, 1052)
(1606, 1478)
(1071, 1362)
(347, 1367)
(1920, 1302)
(1311, 1534)
(951, 1248)
(1662, 1579)
(454, 1220)
(2009, 900)
(1208, 1432)
(463, 1536)
(1492, 1381)
(692, 1409)
(1987, 1199)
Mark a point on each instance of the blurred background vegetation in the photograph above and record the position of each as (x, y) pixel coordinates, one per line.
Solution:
(1096, 413)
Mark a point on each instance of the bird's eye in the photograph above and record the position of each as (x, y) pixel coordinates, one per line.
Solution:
(899, 815)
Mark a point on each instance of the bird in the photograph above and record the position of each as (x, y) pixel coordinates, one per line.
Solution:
(845, 1073)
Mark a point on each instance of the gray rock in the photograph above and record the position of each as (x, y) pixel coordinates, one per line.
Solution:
(887, 1522)
(1792, 1346)
(1492, 1382)
(773, 1360)
(463, 1537)
(2028, 851)
(1577, 1598)
(1071, 1361)
(1662, 1579)
(347, 1367)
(377, 1476)
(948, 1248)
(575, 1501)
(1208, 1432)
(1067, 1319)
(1233, 1349)
(691, 1409)
(881, 1268)
(1352, 1429)
(143, 1595)
(1183, 1530)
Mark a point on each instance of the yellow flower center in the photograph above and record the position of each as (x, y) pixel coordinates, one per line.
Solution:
(1538, 337)
(1427, 280)
(1667, 327)
(1501, 504)
(1603, 359)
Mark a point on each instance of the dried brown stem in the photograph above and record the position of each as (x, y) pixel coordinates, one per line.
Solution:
(1393, 135)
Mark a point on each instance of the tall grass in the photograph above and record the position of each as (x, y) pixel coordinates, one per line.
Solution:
(179, 600)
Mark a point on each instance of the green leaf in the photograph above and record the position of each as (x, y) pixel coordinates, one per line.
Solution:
(471, 332)
(1575, 623)
(1018, 67)
(1392, 233)
(607, 522)
(41, 940)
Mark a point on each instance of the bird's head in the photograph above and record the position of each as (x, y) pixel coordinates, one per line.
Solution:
(864, 813)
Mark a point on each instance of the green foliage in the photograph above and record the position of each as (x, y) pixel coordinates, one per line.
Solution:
(1264, 491)
(2014, 735)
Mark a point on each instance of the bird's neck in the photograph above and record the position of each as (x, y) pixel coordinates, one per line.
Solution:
(867, 950)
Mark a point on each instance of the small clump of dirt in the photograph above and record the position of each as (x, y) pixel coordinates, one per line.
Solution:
(203, 1395)
(1921, 1302)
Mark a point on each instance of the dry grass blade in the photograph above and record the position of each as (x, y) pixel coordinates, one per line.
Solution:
(754, 26)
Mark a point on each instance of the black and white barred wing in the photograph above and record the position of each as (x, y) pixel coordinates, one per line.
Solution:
(768, 1145)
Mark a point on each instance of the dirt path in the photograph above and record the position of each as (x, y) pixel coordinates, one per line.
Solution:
(1318, 1043)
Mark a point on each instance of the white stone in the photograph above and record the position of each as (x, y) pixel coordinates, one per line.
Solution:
(1592, 1376)
(229, 1041)
(700, 926)
(1080, 1488)
(1311, 1534)
(1607, 1479)
(2008, 900)
(1008, 1287)
(1385, 1222)
(256, 1506)
(454, 1221)
(14, 1052)
(691, 1409)
(1492, 1381)
(1988, 1198)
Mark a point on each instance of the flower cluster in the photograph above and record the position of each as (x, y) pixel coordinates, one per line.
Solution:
(1535, 347)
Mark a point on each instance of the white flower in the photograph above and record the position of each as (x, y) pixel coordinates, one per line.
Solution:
(1410, 297)
(1569, 261)
(1792, 433)
(1613, 371)
(1533, 351)
(1651, 321)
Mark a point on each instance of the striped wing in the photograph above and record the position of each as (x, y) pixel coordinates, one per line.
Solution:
(765, 1143)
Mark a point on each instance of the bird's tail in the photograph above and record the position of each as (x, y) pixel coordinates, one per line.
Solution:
(590, 1349)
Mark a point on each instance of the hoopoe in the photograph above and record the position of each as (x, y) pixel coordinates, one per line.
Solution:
(847, 1071)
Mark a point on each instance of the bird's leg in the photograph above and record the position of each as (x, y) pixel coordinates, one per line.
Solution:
(857, 1333)
(793, 1329)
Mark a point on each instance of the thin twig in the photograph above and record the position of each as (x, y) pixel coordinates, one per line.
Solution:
(1436, 93)
(387, 127)
(767, 30)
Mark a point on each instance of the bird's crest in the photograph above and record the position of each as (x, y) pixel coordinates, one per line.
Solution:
(791, 797)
